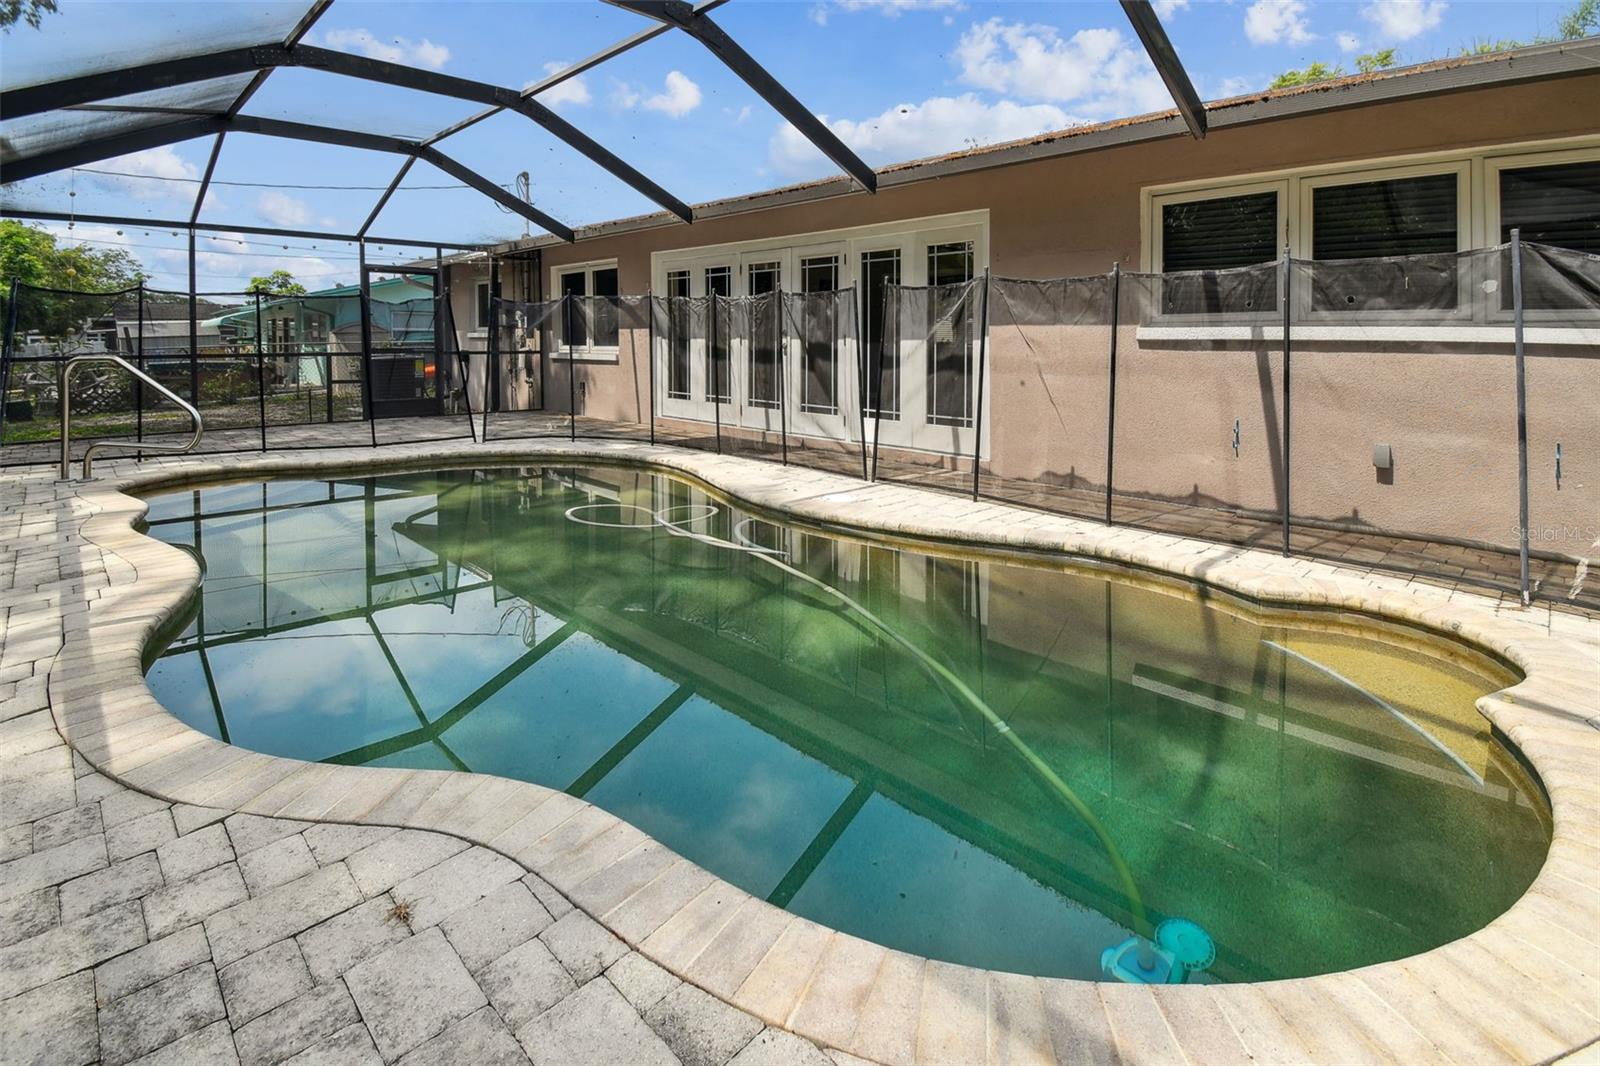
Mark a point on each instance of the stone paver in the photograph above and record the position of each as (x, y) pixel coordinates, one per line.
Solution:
(412, 991)
(141, 930)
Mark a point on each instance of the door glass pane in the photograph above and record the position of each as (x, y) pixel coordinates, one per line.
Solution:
(819, 274)
(574, 329)
(763, 282)
(878, 270)
(950, 334)
(719, 282)
(605, 308)
(679, 319)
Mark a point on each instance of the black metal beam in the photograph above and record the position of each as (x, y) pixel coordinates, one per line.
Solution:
(438, 84)
(82, 91)
(14, 170)
(494, 192)
(1159, 48)
(566, 73)
(383, 201)
(205, 180)
(107, 147)
(217, 227)
(699, 25)
(109, 84)
(301, 28)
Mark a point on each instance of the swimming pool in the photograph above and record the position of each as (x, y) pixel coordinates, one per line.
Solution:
(1005, 763)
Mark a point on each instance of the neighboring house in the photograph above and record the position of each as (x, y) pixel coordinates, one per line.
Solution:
(328, 322)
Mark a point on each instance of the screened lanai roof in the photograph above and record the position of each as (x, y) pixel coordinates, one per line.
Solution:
(394, 139)
(98, 83)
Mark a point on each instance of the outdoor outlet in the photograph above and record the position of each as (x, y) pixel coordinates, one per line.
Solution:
(1382, 457)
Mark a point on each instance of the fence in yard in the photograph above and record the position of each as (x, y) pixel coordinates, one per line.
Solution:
(1431, 414)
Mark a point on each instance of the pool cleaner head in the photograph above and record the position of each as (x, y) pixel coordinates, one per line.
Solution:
(1181, 947)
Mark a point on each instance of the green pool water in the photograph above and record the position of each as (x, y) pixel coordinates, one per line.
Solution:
(990, 761)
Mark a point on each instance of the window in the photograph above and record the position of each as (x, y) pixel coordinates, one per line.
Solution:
(1556, 205)
(1369, 220)
(1212, 237)
(762, 280)
(950, 334)
(679, 322)
(481, 319)
(818, 333)
(879, 270)
(587, 326)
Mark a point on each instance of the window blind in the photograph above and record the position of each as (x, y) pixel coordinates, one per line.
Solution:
(1403, 216)
(1228, 231)
(1557, 205)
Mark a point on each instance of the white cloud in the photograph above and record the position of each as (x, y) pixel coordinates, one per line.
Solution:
(896, 8)
(1401, 20)
(680, 96)
(572, 91)
(162, 162)
(1277, 21)
(1167, 8)
(1348, 42)
(283, 210)
(1100, 71)
(740, 116)
(1233, 86)
(423, 53)
(909, 131)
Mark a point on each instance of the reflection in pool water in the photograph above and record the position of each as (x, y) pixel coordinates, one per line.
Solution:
(1314, 798)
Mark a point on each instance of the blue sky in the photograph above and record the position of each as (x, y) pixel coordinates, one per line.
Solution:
(896, 80)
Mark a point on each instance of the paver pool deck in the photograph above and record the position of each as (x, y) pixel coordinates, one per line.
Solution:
(166, 897)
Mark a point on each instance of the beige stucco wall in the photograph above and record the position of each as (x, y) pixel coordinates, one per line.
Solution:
(1449, 417)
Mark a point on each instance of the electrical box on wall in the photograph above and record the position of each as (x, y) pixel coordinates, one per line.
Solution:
(1382, 457)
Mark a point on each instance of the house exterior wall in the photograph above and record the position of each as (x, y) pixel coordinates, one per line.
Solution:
(1448, 415)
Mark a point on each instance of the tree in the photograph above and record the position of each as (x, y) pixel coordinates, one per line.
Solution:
(1375, 61)
(31, 255)
(277, 283)
(1582, 20)
(29, 11)
(1307, 76)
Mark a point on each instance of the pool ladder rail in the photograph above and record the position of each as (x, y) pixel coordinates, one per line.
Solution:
(67, 373)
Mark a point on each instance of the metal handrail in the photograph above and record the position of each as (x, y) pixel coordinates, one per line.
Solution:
(88, 457)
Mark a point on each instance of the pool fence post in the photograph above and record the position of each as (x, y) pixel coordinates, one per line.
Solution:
(370, 405)
(780, 308)
(194, 327)
(1288, 350)
(983, 367)
(138, 383)
(572, 366)
(5, 351)
(261, 375)
(877, 409)
(856, 296)
(1523, 586)
(650, 349)
(711, 365)
(491, 355)
(1111, 382)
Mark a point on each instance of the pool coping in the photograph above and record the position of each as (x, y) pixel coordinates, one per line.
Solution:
(1525, 988)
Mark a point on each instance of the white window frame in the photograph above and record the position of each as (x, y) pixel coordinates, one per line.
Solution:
(1493, 167)
(589, 352)
(912, 236)
(1158, 205)
(1307, 229)
(480, 301)
(1479, 228)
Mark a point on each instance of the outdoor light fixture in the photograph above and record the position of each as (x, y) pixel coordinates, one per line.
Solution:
(1383, 457)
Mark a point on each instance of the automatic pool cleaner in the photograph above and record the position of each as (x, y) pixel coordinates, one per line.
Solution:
(1181, 948)
(1176, 949)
